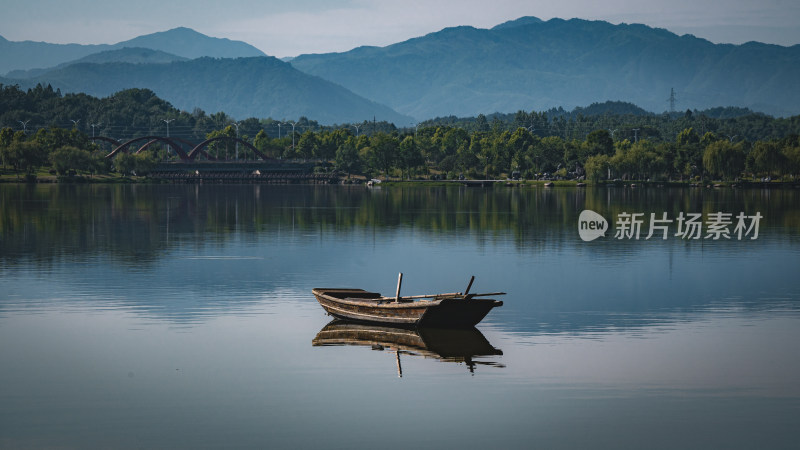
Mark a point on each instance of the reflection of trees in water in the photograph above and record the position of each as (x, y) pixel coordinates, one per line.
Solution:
(586, 321)
(44, 222)
(134, 223)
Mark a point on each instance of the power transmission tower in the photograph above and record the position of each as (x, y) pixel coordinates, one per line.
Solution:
(671, 99)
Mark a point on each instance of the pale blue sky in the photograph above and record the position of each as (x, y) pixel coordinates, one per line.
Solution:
(288, 28)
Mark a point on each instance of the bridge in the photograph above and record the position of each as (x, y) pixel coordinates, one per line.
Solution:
(177, 145)
(196, 165)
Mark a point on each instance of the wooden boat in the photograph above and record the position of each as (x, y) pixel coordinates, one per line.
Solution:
(455, 345)
(439, 310)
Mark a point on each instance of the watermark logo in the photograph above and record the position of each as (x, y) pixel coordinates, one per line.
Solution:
(591, 225)
(689, 226)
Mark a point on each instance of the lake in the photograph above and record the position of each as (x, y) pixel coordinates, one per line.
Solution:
(181, 316)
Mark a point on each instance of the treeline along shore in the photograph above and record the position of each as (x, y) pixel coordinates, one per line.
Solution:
(45, 135)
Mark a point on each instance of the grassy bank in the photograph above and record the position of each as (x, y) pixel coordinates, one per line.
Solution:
(574, 183)
(44, 176)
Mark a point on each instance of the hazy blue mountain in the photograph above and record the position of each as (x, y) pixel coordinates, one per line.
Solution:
(191, 44)
(136, 55)
(527, 20)
(183, 42)
(133, 55)
(241, 87)
(26, 55)
(529, 64)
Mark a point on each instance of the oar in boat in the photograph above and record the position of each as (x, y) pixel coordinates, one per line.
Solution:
(450, 294)
(471, 279)
(399, 282)
(466, 295)
(412, 297)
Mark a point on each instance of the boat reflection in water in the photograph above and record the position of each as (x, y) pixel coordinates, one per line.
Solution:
(450, 345)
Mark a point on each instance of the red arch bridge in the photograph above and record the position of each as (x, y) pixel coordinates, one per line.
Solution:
(197, 165)
(185, 150)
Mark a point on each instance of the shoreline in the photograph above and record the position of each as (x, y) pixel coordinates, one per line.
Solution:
(107, 179)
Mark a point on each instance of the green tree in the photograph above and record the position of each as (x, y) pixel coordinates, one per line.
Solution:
(69, 158)
(99, 163)
(768, 158)
(724, 159)
(347, 158)
(501, 154)
(599, 142)
(382, 153)
(452, 140)
(687, 137)
(264, 144)
(481, 124)
(125, 164)
(6, 137)
(53, 138)
(621, 163)
(409, 157)
(330, 142)
(25, 156)
(551, 153)
(308, 145)
(708, 139)
(573, 155)
(792, 155)
(144, 163)
(688, 158)
(476, 147)
(521, 146)
(222, 149)
(597, 167)
(647, 160)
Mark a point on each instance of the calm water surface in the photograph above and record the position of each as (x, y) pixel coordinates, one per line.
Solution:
(182, 317)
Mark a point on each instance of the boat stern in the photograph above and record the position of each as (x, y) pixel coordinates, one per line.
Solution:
(458, 312)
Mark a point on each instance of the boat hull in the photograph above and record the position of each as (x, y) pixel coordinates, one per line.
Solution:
(369, 307)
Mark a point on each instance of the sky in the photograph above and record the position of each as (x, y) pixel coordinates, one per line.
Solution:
(293, 27)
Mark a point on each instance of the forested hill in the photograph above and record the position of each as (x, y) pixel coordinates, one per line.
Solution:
(137, 112)
(41, 125)
(529, 64)
(241, 87)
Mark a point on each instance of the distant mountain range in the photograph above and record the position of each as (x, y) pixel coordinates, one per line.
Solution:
(192, 70)
(135, 55)
(525, 64)
(530, 64)
(183, 42)
(241, 87)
